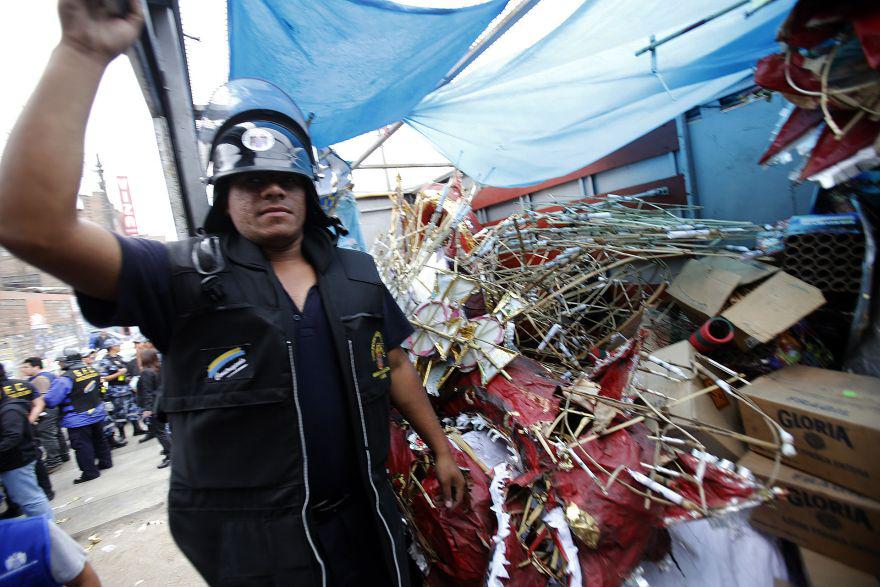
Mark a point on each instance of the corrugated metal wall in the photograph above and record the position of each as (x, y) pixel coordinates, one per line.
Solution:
(727, 180)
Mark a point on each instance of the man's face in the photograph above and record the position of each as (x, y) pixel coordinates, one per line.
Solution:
(28, 370)
(89, 359)
(114, 350)
(268, 208)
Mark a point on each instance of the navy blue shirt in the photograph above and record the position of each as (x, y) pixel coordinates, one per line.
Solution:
(144, 300)
(327, 419)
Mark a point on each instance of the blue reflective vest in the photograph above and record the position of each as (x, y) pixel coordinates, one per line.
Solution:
(24, 553)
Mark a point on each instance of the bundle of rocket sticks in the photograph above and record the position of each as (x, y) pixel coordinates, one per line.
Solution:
(531, 341)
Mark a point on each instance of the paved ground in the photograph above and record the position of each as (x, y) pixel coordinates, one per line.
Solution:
(123, 513)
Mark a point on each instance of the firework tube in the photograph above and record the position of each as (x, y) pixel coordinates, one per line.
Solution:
(677, 234)
(550, 334)
(716, 331)
(666, 365)
(661, 489)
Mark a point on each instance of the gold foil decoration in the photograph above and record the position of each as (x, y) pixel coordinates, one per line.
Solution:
(582, 525)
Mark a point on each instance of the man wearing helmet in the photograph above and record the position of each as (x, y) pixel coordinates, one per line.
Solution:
(78, 392)
(281, 351)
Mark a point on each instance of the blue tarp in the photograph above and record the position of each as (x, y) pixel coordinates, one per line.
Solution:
(347, 211)
(356, 65)
(580, 93)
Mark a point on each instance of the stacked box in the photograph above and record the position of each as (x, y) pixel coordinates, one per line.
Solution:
(834, 418)
(833, 482)
(820, 516)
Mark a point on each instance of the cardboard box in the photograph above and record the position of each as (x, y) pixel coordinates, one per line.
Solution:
(715, 410)
(822, 571)
(705, 286)
(748, 271)
(702, 289)
(771, 308)
(820, 516)
(834, 418)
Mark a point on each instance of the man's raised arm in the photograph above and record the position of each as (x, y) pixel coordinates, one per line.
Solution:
(41, 166)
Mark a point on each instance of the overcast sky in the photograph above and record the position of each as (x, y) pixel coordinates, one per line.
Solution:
(120, 129)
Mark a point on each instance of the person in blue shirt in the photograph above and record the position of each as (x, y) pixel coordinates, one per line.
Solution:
(283, 351)
(36, 552)
(78, 392)
(88, 357)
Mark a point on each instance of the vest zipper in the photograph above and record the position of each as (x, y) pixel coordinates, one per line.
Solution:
(302, 439)
(357, 390)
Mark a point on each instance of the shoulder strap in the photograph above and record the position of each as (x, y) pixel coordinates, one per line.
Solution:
(204, 255)
(207, 258)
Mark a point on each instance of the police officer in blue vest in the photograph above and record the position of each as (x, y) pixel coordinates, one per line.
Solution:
(281, 351)
(77, 391)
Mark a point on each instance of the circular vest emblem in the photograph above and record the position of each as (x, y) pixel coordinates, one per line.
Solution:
(814, 440)
(829, 521)
(257, 139)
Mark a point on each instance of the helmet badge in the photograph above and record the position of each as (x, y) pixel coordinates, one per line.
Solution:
(257, 139)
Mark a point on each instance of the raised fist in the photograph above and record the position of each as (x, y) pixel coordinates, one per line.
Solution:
(88, 27)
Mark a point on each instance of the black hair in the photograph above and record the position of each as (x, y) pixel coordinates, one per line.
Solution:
(34, 362)
(2, 373)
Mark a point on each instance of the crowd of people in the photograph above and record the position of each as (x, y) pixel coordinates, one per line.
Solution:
(92, 395)
(85, 404)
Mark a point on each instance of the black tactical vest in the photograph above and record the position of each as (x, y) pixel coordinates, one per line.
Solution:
(25, 451)
(86, 392)
(239, 497)
(16, 389)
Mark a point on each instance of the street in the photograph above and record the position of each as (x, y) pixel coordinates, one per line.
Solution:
(121, 519)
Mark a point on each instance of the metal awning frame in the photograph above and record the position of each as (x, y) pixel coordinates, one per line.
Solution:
(159, 60)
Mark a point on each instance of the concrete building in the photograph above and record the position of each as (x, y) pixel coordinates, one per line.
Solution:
(38, 313)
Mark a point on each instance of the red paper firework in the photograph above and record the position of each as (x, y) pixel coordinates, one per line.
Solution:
(528, 343)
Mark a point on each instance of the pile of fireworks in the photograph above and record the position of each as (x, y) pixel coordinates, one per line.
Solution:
(533, 338)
